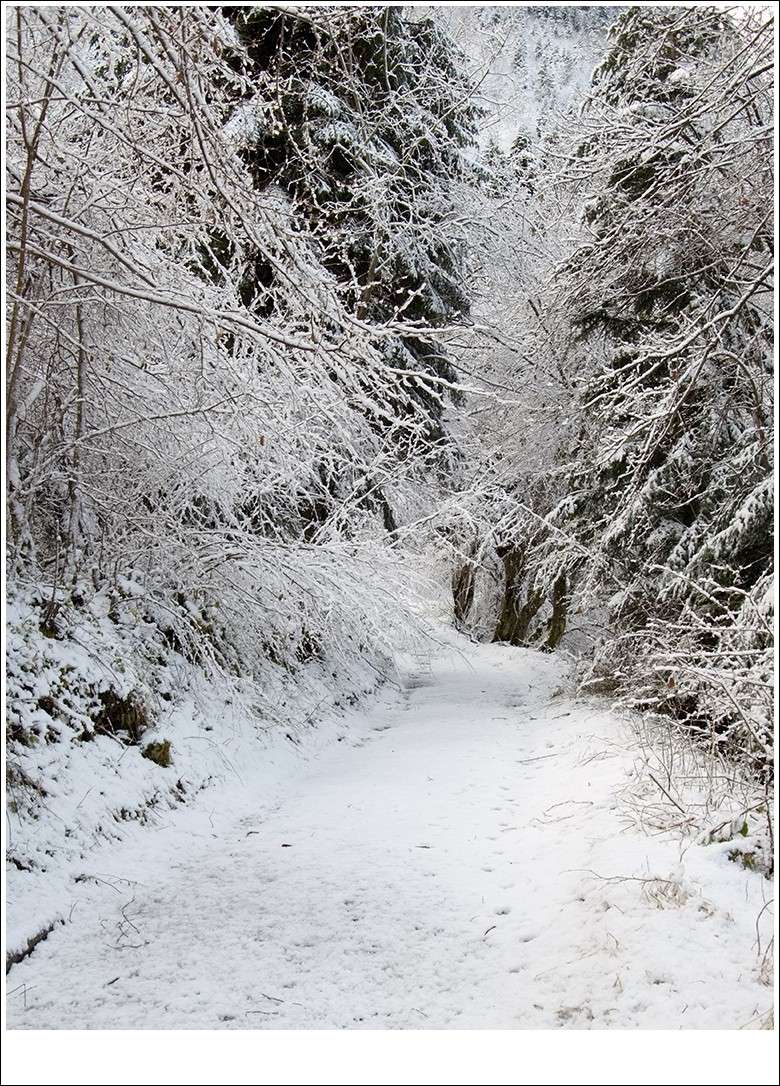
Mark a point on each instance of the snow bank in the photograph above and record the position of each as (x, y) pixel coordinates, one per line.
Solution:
(93, 691)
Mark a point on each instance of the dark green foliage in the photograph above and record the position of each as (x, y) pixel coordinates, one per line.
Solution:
(362, 115)
(647, 45)
(670, 480)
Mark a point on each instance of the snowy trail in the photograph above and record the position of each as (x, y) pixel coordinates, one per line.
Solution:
(460, 859)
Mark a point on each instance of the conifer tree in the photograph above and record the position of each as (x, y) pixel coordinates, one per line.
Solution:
(361, 118)
(669, 510)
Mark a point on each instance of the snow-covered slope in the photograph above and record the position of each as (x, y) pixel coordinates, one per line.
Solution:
(465, 854)
(111, 730)
(529, 65)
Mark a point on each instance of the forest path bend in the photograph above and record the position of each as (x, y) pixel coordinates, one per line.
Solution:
(460, 859)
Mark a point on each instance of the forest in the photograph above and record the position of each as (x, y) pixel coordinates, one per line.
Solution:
(345, 342)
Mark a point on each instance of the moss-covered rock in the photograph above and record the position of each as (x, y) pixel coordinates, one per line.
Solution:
(160, 753)
(119, 715)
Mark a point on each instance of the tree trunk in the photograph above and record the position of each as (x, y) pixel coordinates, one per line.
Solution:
(560, 608)
(75, 536)
(388, 517)
(514, 619)
(463, 591)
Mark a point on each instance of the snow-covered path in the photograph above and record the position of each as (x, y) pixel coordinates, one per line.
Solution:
(460, 859)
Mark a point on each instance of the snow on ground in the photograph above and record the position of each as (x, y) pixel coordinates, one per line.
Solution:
(457, 857)
(71, 786)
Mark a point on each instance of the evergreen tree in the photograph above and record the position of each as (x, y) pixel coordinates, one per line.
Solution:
(523, 161)
(361, 117)
(669, 490)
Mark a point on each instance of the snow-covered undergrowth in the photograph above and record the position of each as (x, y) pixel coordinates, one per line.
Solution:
(463, 853)
(120, 710)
